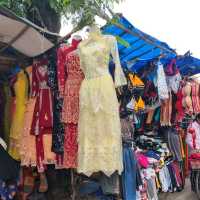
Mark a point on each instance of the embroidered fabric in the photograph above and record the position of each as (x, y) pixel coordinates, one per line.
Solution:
(70, 146)
(42, 123)
(58, 126)
(28, 146)
(99, 121)
(70, 112)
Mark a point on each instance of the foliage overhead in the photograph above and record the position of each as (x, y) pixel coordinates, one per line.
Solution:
(42, 12)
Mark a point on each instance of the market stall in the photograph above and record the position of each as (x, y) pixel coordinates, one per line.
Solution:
(61, 117)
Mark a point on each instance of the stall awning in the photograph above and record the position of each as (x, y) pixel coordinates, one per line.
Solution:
(138, 48)
(24, 36)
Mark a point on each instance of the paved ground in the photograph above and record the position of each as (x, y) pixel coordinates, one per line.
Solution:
(187, 194)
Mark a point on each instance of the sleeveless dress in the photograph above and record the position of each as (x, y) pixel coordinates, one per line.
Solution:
(99, 129)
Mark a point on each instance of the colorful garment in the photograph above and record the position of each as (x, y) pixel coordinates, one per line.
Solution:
(179, 106)
(27, 141)
(187, 100)
(70, 111)
(43, 115)
(99, 121)
(7, 112)
(58, 127)
(74, 74)
(195, 97)
(7, 192)
(21, 92)
(162, 83)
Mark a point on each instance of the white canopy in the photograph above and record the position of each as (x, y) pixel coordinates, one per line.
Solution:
(23, 35)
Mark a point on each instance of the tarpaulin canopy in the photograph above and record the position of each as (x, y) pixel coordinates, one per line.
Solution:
(21, 34)
(137, 48)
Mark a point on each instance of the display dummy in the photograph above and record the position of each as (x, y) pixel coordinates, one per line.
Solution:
(99, 131)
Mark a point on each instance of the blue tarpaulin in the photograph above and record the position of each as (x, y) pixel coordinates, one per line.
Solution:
(135, 52)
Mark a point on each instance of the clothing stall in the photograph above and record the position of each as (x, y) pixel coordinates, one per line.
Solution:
(98, 118)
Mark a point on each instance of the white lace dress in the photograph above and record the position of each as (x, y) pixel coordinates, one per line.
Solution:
(99, 132)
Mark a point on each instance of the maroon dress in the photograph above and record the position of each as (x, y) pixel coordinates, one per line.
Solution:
(43, 116)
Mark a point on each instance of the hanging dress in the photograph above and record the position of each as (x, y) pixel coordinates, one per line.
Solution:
(99, 129)
(43, 115)
(28, 143)
(21, 92)
(195, 97)
(70, 113)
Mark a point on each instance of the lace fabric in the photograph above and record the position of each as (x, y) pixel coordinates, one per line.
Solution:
(99, 130)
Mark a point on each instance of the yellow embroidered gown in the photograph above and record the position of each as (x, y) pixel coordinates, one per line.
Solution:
(21, 92)
(99, 131)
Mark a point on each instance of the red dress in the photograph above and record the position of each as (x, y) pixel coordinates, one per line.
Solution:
(179, 106)
(73, 77)
(43, 116)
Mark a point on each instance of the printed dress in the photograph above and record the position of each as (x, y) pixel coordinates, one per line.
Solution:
(70, 113)
(99, 129)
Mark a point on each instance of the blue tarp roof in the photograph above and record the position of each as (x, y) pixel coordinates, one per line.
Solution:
(143, 48)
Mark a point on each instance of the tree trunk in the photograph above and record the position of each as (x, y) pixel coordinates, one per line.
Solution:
(43, 15)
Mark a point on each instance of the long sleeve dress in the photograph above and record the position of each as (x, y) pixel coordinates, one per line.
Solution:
(42, 123)
(99, 130)
(72, 76)
(70, 113)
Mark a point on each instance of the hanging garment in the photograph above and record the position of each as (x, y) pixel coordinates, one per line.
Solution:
(173, 82)
(43, 115)
(187, 100)
(2, 110)
(21, 92)
(7, 112)
(99, 121)
(73, 77)
(27, 141)
(193, 136)
(162, 83)
(9, 168)
(74, 74)
(129, 174)
(195, 97)
(7, 191)
(58, 127)
(179, 106)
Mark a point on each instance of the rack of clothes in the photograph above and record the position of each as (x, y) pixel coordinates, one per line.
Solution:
(113, 128)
